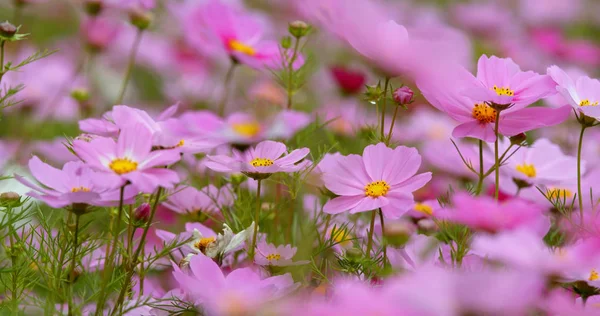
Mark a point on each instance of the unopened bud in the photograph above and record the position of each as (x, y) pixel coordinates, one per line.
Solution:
(518, 139)
(427, 225)
(403, 95)
(140, 18)
(10, 196)
(142, 213)
(398, 233)
(298, 29)
(93, 7)
(349, 81)
(80, 95)
(7, 29)
(237, 179)
(374, 94)
(286, 42)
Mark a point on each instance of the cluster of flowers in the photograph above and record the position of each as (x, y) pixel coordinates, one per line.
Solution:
(274, 187)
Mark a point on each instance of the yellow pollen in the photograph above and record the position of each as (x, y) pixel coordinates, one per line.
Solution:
(181, 143)
(247, 129)
(483, 113)
(586, 102)
(594, 276)
(377, 189)
(242, 48)
(554, 193)
(123, 165)
(261, 162)
(273, 256)
(423, 208)
(80, 189)
(203, 243)
(503, 91)
(527, 169)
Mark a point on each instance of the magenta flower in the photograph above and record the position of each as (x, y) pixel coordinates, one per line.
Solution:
(270, 255)
(484, 213)
(76, 183)
(382, 178)
(130, 158)
(242, 291)
(219, 29)
(446, 91)
(583, 94)
(209, 199)
(261, 161)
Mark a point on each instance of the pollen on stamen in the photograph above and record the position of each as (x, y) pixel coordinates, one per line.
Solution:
(423, 208)
(594, 276)
(377, 188)
(123, 165)
(261, 162)
(484, 113)
(246, 129)
(242, 47)
(527, 169)
(273, 256)
(80, 189)
(203, 243)
(503, 91)
(587, 102)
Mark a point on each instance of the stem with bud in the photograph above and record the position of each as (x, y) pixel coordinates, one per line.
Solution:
(131, 62)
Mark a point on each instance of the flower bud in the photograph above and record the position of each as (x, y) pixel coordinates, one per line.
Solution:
(237, 179)
(398, 233)
(10, 196)
(142, 213)
(286, 42)
(374, 94)
(298, 29)
(80, 95)
(518, 139)
(7, 29)
(140, 18)
(403, 95)
(93, 7)
(349, 81)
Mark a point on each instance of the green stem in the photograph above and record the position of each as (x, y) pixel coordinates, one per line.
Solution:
(481, 174)
(389, 137)
(73, 261)
(383, 243)
(109, 264)
(290, 90)
(226, 84)
(370, 241)
(383, 104)
(497, 161)
(130, 64)
(256, 215)
(579, 196)
(134, 259)
(2, 59)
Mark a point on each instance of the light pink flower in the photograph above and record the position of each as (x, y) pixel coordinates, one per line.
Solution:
(130, 158)
(209, 199)
(381, 178)
(270, 255)
(582, 94)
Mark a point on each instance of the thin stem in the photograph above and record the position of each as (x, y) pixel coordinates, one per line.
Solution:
(2, 59)
(109, 264)
(389, 137)
(134, 259)
(256, 215)
(131, 62)
(226, 84)
(579, 196)
(73, 261)
(383, 103)
(480, 181)
(290, 90)
(370, 242)
(497, 161)
(383, 243)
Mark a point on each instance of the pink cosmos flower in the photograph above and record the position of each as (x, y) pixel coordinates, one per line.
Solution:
(261, 161)
(484, 213)
(209, 199)
(242, 128)
(99, 32)
(381, 178)
(130, 158)
(446, 91)
(242, 291)
(220, 29)
(76, 183)
(345, 117)
(582, 94)
(270, 255)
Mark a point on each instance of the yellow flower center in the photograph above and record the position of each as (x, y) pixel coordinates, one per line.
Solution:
(377, 189)
(80, 189)
(203, 243)
(247, 129)
(273, 256)
(483, 113)
(527, 169)
(261, 162)
(242, 48)
(340, 236)
(586, 102)
(423, 208)
(503, 91)
(181, 143)
(554, 193)
(123, 165)
(594, 276)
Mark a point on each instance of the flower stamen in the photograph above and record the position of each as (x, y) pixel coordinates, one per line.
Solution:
(377, 188)
(587, 102)
(242, 48)
(503, 91)
(261, 162)
(274, 256)
(527, 169)
(423, 208)
(246, 129)
(123, 165)
(80, 189)
(484, 113)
